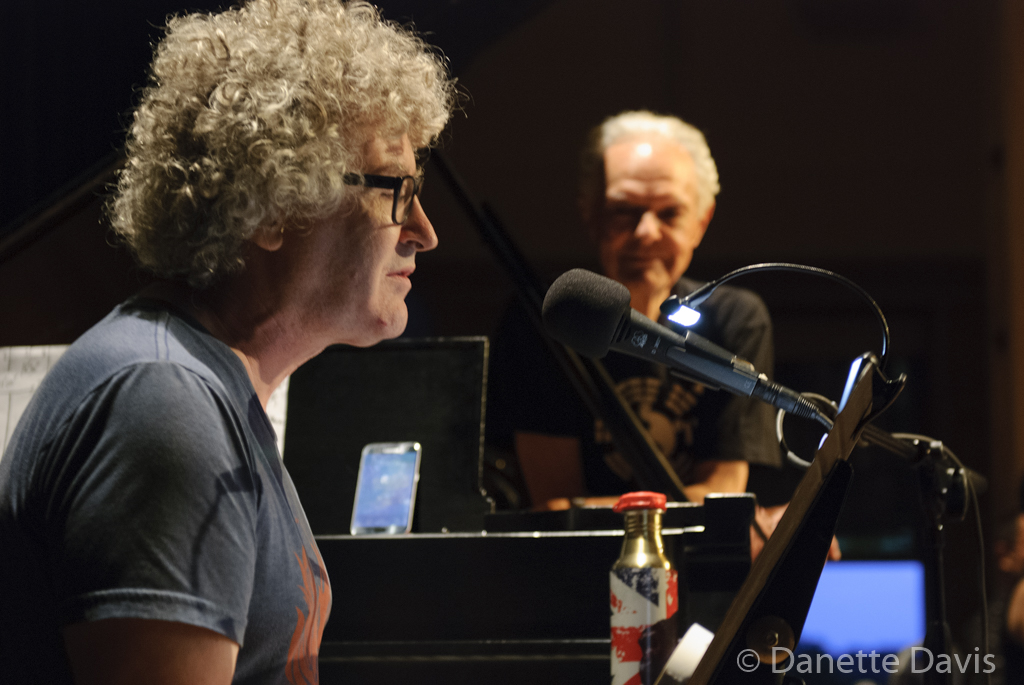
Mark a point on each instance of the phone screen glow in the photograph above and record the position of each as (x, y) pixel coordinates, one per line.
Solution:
(385, 491)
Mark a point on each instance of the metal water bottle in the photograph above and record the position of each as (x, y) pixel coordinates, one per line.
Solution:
(644, 594)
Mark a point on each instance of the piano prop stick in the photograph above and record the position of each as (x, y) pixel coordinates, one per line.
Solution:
(771, 606)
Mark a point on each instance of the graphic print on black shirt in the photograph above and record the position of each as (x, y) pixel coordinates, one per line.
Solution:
(665, 405)
(528, 393)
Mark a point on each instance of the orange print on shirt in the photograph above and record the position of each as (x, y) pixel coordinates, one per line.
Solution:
(304, 648)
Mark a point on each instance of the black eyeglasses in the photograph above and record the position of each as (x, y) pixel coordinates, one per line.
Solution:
(404, 189)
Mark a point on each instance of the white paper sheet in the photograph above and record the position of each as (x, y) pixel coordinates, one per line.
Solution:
(21, 371)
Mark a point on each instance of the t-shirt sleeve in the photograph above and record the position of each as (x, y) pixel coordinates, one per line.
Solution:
(154, 506)
(746, 425)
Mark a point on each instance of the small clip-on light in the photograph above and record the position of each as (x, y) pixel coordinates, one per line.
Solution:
(683, 310)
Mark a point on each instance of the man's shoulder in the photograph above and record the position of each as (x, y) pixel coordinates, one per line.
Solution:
(136, 339)
(139, 332)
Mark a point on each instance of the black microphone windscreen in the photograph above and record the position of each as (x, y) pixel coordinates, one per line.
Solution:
(582, 310)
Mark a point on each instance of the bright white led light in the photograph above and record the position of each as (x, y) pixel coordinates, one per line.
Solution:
(684, 316)
(851, 380)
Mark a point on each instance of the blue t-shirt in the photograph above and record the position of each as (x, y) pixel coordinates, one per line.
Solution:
(144, 481)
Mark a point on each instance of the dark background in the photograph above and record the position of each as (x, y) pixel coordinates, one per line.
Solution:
(866, 136)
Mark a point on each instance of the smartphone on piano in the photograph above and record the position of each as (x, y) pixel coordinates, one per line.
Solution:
(386, 488)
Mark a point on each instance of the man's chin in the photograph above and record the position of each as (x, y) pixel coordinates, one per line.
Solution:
(394, 326)
(385, 326)
(646, 279)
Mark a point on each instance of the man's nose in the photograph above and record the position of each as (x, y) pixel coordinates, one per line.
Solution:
(417, 230)
(648, 228)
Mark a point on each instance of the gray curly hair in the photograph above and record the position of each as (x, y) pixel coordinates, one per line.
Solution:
(252, 118)
(628, 124)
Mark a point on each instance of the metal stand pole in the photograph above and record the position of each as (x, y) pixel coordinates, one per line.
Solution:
(943, 497)
(937, 635)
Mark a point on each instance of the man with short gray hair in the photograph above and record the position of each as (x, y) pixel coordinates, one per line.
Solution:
(647, 195)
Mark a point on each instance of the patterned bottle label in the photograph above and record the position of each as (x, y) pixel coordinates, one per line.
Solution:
(643, 601)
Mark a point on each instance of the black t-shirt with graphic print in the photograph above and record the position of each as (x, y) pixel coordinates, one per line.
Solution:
(527, 392)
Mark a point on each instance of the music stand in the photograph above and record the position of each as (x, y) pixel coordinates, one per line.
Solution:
(771, 606)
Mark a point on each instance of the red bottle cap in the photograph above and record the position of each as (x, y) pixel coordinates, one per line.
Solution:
(640, 500)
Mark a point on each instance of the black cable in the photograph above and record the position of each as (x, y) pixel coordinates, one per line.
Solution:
(702, 293)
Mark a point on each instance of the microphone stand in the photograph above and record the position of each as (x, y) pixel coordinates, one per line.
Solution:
(943, 494)
(588, 377)
(769, 611)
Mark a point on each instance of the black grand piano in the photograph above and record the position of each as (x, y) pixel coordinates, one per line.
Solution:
(475, 595)
(472, 595)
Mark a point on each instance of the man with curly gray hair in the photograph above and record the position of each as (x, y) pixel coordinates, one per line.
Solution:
(647, 194)
(150, 532)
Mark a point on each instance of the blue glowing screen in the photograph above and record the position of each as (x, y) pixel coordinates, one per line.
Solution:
(866, 605)
(385, 490)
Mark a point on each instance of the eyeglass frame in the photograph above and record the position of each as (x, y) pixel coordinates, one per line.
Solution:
(394, 183)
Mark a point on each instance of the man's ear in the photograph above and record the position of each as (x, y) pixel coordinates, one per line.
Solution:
(702, 227)
(270, 239)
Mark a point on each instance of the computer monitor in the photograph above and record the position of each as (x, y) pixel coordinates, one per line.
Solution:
(866, 605)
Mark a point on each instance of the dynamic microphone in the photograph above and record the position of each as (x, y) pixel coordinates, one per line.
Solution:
(591, 313)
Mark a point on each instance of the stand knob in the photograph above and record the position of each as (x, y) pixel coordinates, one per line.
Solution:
(768, 632)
